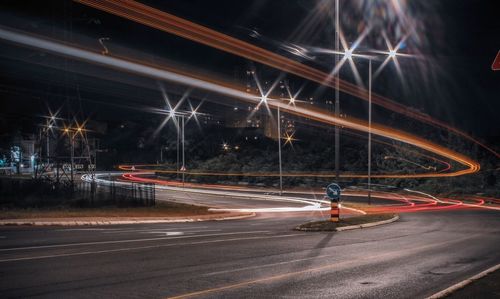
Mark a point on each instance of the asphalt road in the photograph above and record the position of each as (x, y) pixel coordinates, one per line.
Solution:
(260, 257)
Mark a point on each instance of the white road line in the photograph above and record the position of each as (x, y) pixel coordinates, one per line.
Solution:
(84, 229)
(149, 230)
(166, 233)
(129, 241)
(143, 247)
(121, 229)
(269, 265)
(169, 233)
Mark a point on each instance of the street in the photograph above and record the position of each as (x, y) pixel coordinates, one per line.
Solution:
(416, 256)
(249, 149)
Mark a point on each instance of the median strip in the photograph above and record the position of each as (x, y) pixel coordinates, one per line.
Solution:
(350, 223)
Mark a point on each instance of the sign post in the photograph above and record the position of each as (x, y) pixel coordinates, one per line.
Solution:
(333, 193)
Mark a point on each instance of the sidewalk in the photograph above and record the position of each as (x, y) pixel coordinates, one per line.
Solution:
(123, 220)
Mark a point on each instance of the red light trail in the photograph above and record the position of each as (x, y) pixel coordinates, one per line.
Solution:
(404, 203)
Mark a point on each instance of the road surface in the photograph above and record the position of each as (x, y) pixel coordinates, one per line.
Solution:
(260, 257)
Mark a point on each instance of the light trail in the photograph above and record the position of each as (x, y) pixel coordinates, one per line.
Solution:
(411, 162)
(209, 84)
(150, 167)
(169, 23)
(405, 203)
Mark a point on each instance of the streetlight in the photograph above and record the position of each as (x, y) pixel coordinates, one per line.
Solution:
(391, 55)
(179, 118)
(279, 151)
(337, 89)
(71, 137)
(183, 168)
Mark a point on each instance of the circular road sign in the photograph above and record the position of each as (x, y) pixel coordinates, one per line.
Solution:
(333, 191)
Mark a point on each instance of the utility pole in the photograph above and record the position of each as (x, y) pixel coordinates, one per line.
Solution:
(48, 147)
(178, 148)
(183, 169)
(337, 93)
(72, 138)
(279, 151)
(369, 132)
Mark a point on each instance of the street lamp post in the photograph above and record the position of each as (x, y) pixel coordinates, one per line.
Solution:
(391, 54)
(337, 92)
(369, 131)
(178, 148)
(47, 144)
(183, 169)
(72, 140)
(279, 151)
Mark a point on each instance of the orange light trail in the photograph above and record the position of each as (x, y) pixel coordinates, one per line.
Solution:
(169, 23)
(224, 88)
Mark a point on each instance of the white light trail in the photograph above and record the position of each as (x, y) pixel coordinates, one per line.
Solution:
(168, 75)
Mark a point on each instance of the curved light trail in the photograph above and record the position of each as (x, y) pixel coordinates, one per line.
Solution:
(169, 23)
(409, 202)
(209, 84)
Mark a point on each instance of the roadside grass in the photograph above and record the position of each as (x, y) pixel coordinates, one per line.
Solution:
(327, 225)
(161, 209)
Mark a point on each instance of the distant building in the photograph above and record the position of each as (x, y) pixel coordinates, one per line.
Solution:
(257, 116)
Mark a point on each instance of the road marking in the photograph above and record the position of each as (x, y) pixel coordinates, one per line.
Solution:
(165, 233)
(84, 229)
(121, 231)
(169, 233)
(143, 247)
(397, 253)
(269, 265)
(129, 241)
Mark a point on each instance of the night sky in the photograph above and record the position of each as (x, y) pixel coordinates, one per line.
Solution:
(459, 40)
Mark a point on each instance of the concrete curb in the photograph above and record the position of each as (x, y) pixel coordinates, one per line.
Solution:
(351, 227)
(462, 284)
(124, 220)
(365, 225)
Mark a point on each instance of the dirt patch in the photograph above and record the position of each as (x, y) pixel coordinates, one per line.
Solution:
(161, 209)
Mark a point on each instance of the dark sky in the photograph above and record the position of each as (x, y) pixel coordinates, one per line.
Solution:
(456, 84)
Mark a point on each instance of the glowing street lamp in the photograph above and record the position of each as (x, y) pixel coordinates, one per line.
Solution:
(348, 54)
(391, 54)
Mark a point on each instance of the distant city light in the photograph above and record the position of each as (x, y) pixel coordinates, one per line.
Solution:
(289, 138)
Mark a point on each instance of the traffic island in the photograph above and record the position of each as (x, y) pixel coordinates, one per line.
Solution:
(348, 223)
